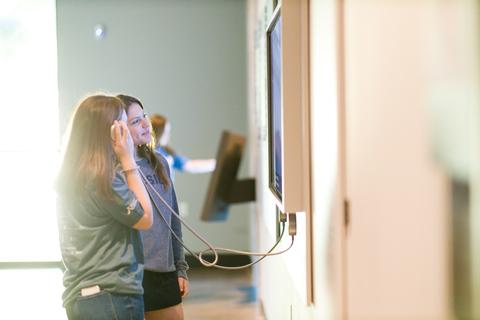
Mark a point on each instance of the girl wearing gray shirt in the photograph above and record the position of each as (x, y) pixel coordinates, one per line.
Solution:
(165, 280)
(100, 213)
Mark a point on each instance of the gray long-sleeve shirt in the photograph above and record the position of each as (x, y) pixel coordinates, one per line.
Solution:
(163, 252)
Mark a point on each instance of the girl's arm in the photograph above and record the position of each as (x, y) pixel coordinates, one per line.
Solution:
(123, 147)
(135, 183)
(178, 252)
(200, 165)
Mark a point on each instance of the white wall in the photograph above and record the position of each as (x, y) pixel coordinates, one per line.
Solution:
(184, 59)
(373, 66)
(281, 293)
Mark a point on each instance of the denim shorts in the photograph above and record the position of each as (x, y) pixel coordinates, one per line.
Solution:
(107, 306)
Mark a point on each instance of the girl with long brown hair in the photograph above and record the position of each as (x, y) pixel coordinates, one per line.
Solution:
(102, 205)
(165, 279)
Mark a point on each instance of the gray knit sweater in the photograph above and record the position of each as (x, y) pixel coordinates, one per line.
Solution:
(163, 252)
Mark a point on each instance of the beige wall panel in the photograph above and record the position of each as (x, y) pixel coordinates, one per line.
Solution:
(398, 253)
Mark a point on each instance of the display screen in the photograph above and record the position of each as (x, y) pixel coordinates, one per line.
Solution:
(221, 191)
(275, 104)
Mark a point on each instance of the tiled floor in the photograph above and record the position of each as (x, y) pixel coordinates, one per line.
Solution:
(216, 294)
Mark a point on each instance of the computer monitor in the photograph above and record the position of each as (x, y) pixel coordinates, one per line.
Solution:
(287, 111)
(224, 188)
(274, 66)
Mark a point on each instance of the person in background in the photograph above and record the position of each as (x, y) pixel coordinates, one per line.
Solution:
(165, 279)
(162, 128)
(101, 209)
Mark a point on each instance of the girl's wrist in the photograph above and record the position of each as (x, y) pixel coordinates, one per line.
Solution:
(128, 162)
(130, 169)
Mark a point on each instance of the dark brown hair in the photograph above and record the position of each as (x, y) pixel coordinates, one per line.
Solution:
(147, 150)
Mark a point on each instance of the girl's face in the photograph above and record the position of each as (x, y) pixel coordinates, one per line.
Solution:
(138, 125)
(165, 136)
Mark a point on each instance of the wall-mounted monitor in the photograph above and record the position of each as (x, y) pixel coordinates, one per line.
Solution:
(274, 49)
(287, 135)
(224, 188)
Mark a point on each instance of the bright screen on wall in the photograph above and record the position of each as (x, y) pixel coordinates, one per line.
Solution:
(274, 72)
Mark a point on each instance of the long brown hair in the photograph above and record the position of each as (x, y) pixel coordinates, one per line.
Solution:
(158, 126)
(88, 159)
(147, 150)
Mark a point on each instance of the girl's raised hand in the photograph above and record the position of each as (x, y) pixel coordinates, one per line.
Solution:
(123, 143)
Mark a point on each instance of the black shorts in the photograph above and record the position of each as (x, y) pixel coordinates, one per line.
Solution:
(161, 290)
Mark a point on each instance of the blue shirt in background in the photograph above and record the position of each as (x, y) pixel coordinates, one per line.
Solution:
(177, 161)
